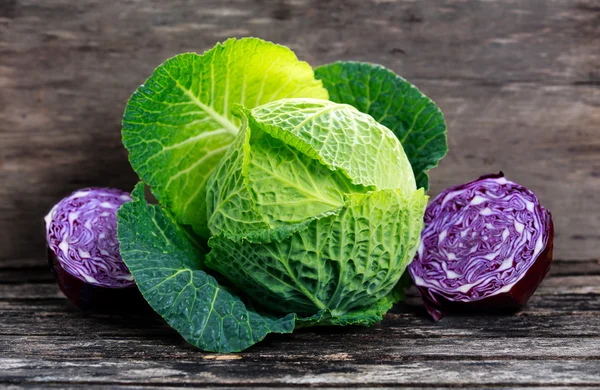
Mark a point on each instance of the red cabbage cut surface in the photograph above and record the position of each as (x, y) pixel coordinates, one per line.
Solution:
(486, 246)
(81, 232)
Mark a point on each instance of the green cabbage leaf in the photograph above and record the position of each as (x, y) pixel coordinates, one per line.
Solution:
(395, 103)
(178, 124)
(168, 267)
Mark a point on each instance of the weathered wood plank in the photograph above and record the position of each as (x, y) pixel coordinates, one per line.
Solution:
(215, 371)
(508, 40)
(58, 318)
(362, 345)
(196, 386)
(70, 386)
(519, 95)
(564, 306)
(574, 268)
(566, 286)
(560, 323)
(551, 316)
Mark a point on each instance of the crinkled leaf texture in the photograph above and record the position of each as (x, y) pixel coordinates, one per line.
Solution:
(298, 158)
(178, 124)
(361, 317)
(167, 266)
(314, 209)
(395, 103)
(338, 262)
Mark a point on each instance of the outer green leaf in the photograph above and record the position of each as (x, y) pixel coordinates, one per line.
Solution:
(296, 159)
(394, 102)
(178, 125)
(338, 263)
(167, 267)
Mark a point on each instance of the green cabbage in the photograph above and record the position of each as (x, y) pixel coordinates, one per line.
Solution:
(310, 207)
(314, 207)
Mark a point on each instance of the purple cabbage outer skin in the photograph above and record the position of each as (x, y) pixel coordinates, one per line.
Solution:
(83, 251)
(486, 247)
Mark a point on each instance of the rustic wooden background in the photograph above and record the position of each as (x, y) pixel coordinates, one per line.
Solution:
(518, 81)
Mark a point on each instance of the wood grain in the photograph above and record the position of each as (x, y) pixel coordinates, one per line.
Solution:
(213, 372)
(517, 81)
(554, 341)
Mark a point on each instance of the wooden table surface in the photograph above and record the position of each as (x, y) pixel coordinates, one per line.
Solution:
(518, 81)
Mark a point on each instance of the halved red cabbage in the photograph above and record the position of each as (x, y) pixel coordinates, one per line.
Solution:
(486, 246)
(83, 251)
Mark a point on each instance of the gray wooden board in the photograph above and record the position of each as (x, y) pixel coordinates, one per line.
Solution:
(309, 346)
(518, 81)
(71, 386)
(309, 373)
(554, 341)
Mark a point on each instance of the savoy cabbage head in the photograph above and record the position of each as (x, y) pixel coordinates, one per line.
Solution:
(312, 208)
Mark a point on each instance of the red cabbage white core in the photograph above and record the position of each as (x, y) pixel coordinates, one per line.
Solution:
(81, 232)
(486, 245)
